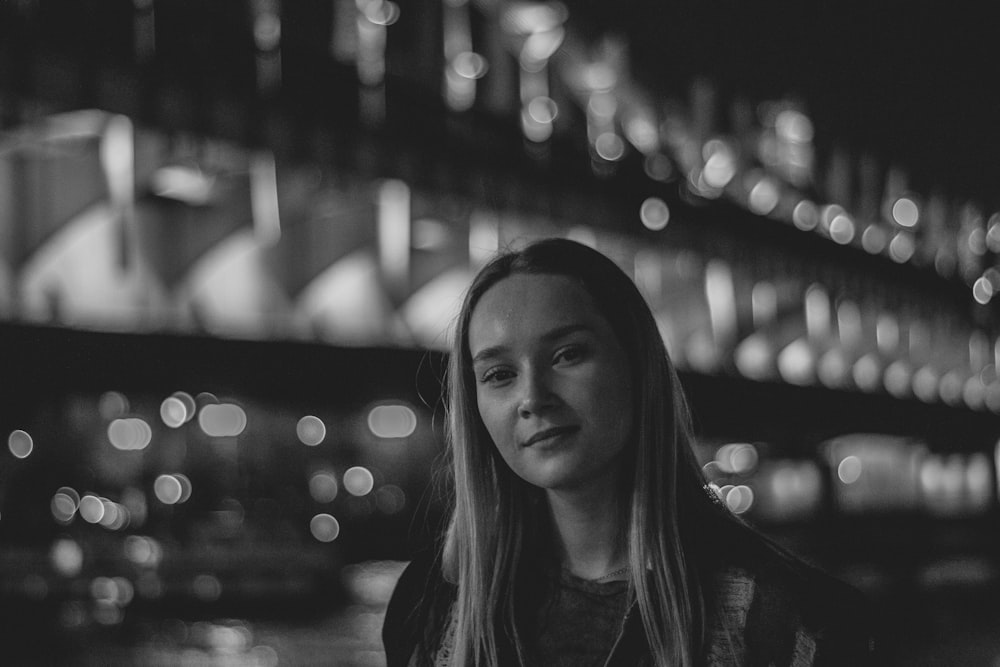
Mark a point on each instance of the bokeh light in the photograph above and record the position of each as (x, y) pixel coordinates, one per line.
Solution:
(310, 430)
(173, 412)
(978, 481)
(392, 421)
(951, 386)
(867, 372)
(925, 384)
(849, 470)
(186, 488)
(142, 550)
(64, 505)
(974, 392)
(658, 167)
(168, 489)
(992, 399)
(91, 508)
(469, 65)
(112, 404)
(20, 444)
(739, 499)
(905, 212)
(107, 613)
(982, 290)
(323, 486)
(267, 31)
(874, 239)
(977, 241)
(390, 499)
(764, 196)
(206, 587)
(66, 556)
(805, 215)
(358, 481)
(609, 146)
(898, 378)
(720, 164)
(112, 517)
(379, 12)
(793, 126)
(640, 129)
(736, 458)
(993, 233)
(264, 656)
(129, 433)
(190, 405)
(324, 527)
(537, 117)
(902, 247)
(222, 420)
(542, 110)
(116, 590)
(842, 229)
(654, 213)
(205, 398)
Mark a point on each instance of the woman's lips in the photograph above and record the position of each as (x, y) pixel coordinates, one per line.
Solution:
(548, 434)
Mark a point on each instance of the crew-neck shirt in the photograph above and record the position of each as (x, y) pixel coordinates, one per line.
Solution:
(577, 621)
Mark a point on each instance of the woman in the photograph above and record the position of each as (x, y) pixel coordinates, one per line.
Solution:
(582, 531)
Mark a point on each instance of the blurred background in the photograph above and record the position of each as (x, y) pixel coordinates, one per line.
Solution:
(233, 235)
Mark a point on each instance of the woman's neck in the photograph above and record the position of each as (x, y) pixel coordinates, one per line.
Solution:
(587, 531)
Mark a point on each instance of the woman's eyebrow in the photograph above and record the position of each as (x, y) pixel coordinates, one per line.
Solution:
(565, 330)
(494, 351)
(489, 353)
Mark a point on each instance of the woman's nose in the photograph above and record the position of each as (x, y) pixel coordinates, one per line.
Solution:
(537, 396)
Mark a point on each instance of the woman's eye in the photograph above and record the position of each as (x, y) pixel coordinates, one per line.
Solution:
(496, 376)
(569, 354)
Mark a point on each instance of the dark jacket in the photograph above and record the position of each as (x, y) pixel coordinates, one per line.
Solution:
(764, 610)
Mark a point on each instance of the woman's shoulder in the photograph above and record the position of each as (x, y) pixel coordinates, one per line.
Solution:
(420, 595)
(790, 612)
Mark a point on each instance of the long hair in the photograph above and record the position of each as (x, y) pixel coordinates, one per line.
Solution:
(665, 502)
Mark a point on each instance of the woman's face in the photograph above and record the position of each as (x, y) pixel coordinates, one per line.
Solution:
(552, 381)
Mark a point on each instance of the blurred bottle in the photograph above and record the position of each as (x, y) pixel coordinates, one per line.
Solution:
(986, 286)
(795, 155)
(672, 283)
(787, 490)
(798, 361)
(874, 230)
(971, 243)
(963, 385)
(945, 351)
(875, 473)
(786, 342)
(837, 176)
(991, 395)
(834, 366)
(901, 209)
(462, 66)
(881, 346)
(956, 484)
(706, 347)
(912, 353)
(939, 247)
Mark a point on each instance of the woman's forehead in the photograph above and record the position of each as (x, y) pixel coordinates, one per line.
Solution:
(530, 306)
